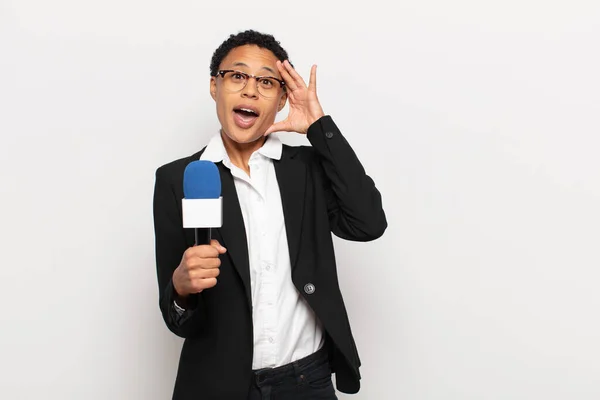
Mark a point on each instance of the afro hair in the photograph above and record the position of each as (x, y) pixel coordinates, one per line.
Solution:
(262, 40)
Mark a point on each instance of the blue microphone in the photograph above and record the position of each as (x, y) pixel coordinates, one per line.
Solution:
(202, 205)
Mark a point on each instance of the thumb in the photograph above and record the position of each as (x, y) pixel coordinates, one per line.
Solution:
(277, 127)
(215, 243)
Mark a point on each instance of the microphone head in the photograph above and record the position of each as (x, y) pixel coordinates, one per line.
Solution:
(201, 180)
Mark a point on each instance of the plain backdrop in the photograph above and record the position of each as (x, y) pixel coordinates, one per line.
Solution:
(478, 121)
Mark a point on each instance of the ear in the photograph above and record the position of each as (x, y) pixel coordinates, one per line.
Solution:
(282, 101)
(213, 88)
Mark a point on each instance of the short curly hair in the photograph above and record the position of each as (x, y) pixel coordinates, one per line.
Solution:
(262, 40)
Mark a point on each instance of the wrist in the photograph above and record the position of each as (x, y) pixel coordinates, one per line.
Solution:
(179, 294)
(180, 300)
(315, 118)
(312, 120)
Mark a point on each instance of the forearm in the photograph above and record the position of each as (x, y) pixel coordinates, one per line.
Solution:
(354, 203)
(184, 324)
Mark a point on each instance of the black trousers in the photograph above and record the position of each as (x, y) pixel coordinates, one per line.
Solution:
(304, 379)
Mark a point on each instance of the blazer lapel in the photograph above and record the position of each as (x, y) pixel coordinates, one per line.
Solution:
(233, 231)
(291, 177)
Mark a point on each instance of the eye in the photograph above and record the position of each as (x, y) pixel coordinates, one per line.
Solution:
(267, 83)
(236, 76)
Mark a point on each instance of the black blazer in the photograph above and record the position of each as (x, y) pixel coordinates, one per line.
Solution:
(324, 189)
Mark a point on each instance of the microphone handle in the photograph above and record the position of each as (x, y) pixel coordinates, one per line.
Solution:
(202, 235)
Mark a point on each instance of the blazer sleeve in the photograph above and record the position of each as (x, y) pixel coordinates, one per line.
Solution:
(170, 244)
(353, 202)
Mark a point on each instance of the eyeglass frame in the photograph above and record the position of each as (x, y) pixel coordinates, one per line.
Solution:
(222, 72)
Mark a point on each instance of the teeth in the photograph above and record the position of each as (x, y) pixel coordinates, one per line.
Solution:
(247, 110)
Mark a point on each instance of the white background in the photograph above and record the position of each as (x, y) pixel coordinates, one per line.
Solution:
(478, 120)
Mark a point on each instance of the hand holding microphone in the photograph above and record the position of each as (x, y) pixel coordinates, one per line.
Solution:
(201, 210)
(198, 269)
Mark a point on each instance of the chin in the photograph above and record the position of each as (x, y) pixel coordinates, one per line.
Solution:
(244, 135)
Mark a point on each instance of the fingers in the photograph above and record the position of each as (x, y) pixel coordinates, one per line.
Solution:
(199, 268)
(215, 243)
(206, 263)
(198, 285)
(295, 75)
(202, 284)
(205, 250)
(312, 83)
(198, 264)
(203, 273)
(289, 81)
(292, 79)
(202, 251)
(203, 256)
(186, 281)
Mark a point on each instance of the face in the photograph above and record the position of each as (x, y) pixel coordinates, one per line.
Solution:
(243, 126)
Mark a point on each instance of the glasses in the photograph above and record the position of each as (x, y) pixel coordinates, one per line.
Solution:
(235, 81)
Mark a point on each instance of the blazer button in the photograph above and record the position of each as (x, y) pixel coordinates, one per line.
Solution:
(309, 288)
(328, 135)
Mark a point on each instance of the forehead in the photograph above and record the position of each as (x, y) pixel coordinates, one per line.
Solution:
(254, 57)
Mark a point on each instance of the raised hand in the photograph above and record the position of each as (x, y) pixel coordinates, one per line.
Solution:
(303, 102)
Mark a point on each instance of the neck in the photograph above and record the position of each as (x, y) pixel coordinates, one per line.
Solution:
(239, 153)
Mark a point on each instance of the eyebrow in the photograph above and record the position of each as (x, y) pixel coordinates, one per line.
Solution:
(241, 64)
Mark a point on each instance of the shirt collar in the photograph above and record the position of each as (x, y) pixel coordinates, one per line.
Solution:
(215, 150)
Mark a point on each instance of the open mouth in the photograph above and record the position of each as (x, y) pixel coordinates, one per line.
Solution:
(245, 117)
(248, 112)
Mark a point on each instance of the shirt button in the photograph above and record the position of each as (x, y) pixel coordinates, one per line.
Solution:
(309, 288)
(328, 135)
(268, 267)
(271, 340)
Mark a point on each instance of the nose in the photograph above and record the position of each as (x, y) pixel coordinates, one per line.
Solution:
(250, 90)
